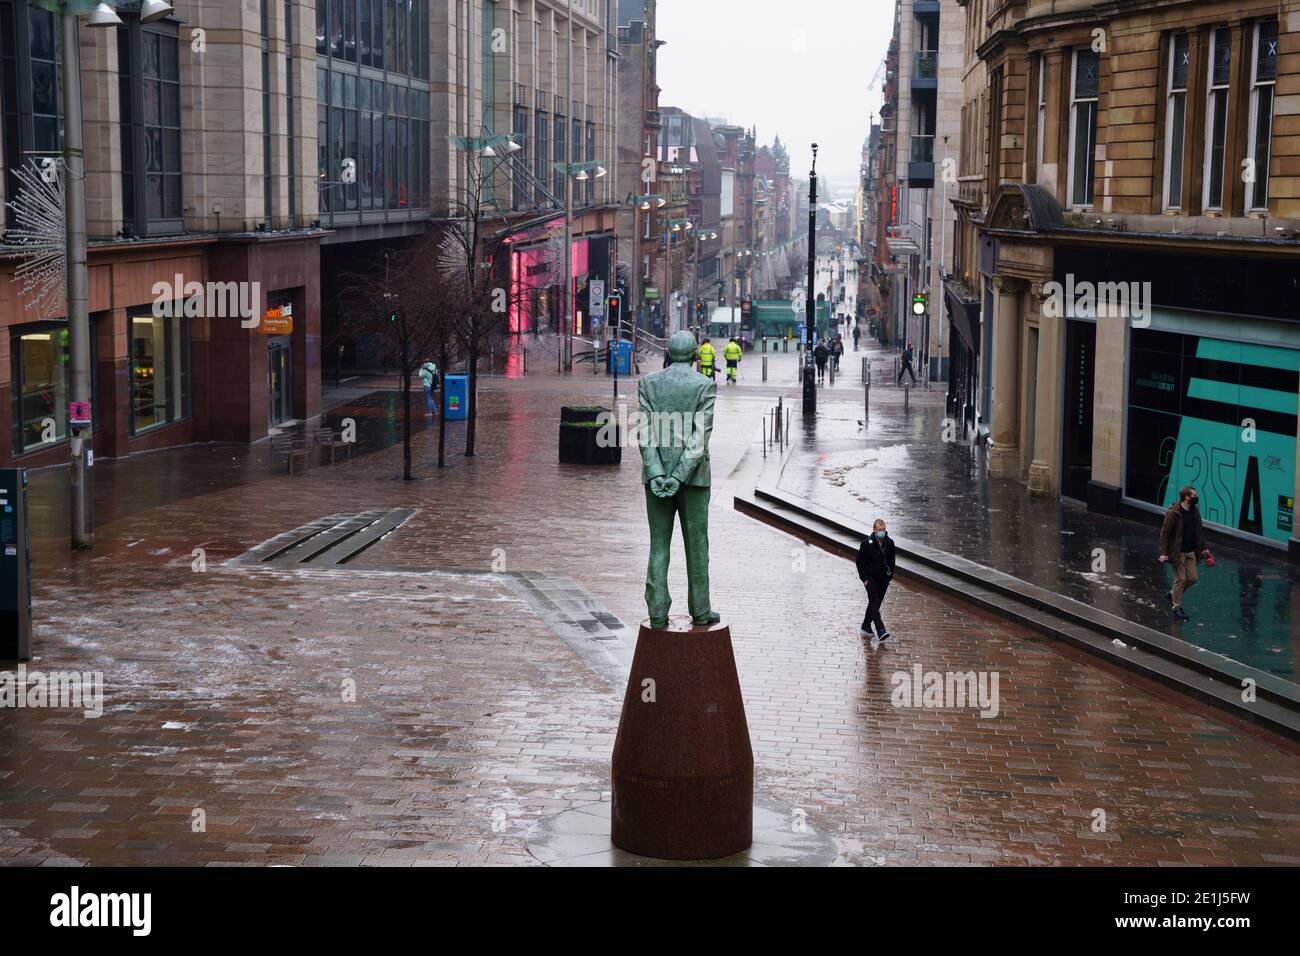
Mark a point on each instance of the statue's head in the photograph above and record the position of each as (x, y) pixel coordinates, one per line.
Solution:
(681, 347)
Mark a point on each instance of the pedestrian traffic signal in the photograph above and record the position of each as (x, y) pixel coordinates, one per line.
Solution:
(920, 303)
(615, 308)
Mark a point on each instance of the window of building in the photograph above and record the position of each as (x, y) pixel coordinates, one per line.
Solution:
(149, 91)
(160, 371)
(591, 158)
(39, 371)
(31, 112)
(540, 158)
(560, 156)
(1175, 119)
(520, 157)
(1263, 77)
(1216, 115)
(381, 123)
(1083, 125)
(1042, 118)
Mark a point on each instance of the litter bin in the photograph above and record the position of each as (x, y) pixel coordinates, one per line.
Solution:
(455, 397)
(620, 358)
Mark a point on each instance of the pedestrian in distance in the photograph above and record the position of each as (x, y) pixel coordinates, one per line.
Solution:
(857, 333)
(876, 570)
(429, 378)
(837, 350)
(907, 366)
(820, 356)
(732, 353)
(1182, 542)
(708, 358)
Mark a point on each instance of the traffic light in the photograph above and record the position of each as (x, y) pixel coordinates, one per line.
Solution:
(615, 308)
(920, 303)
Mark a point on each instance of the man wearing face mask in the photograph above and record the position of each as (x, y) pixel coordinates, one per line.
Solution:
(876, 569)
(1181, 540)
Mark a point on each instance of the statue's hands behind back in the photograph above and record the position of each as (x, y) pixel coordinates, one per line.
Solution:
(664, 487)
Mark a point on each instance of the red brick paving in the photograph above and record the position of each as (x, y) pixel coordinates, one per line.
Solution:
(468, 708)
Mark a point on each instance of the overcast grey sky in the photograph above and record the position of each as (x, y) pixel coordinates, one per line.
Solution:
(799, 68)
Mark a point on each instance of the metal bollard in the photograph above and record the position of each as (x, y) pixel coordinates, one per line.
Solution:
(866, 399)
(832, 364)
(896, 382)
(907, 392)
(525, 361)
(865, 370)
(765, 368)
(787, 345)
(764, 437)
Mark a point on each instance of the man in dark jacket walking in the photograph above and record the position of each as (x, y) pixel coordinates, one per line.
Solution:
(907, 366)
(820, 355)
(1182, 539)
(876, 569)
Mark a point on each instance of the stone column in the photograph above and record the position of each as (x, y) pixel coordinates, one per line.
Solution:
(1044, 476)
(1108, 412)
(1004, 455)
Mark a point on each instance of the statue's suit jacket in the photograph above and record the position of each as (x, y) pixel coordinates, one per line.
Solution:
(669, 452)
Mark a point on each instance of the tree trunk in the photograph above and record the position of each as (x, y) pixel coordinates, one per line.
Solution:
(442, 412)
(471, 407)
(406, 424)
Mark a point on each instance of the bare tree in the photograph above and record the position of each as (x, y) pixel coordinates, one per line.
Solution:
(411, 316)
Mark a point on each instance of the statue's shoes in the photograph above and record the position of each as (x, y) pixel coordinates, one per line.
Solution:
(659, 623)
(713, 617)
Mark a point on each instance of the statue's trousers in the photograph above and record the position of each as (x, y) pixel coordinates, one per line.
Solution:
(692, 505)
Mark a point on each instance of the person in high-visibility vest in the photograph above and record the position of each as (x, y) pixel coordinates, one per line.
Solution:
(708, 358)
(732, 353)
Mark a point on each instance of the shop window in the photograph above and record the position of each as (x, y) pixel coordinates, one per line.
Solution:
(1188, 398)
(160, 371)
(39, 373)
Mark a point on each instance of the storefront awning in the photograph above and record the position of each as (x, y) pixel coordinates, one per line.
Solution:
(963, 312)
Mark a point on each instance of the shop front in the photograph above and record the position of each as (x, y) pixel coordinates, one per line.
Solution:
(1212, 403)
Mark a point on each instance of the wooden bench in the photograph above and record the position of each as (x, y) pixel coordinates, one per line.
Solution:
(322, 436)
(287, 447)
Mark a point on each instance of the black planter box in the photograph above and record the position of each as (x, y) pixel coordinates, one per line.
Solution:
(580, 430)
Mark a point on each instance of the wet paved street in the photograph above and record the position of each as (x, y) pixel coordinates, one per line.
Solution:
(415, 708)
(939, 494)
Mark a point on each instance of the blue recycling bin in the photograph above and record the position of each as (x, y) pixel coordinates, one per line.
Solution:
(455, 397)
(620, 358)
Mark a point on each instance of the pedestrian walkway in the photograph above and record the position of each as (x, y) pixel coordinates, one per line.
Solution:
(414, 708)
(897, 465)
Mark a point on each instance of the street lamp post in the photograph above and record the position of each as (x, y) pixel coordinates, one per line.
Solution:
(81, 510)
(810, 307)
(580, 172)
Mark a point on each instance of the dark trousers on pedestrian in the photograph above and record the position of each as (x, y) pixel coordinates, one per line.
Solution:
(906, 370)
(875, 598)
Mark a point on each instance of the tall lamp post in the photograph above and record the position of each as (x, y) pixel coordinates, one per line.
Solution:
(700, 236)
(639, 204)
(102, 15)
(572, 172)
(810, 307)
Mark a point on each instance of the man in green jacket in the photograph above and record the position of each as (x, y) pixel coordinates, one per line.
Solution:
(676, 423)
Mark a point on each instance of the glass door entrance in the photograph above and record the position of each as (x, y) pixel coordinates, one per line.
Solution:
(1076, 446)
(279, 373)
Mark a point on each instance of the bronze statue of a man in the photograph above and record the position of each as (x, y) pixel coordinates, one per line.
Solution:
(676, 422)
